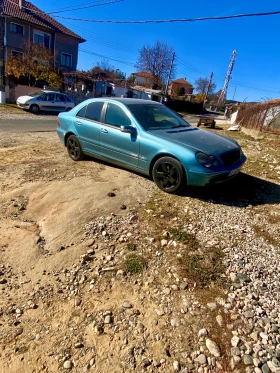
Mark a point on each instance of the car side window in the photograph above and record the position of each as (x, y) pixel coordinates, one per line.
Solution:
(81, 113)
(60, 98)
(115, 116)
(49, 97)
(66, 98)
(94, 110)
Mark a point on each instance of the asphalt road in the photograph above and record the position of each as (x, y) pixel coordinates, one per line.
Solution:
(18, 125)
(44, 125)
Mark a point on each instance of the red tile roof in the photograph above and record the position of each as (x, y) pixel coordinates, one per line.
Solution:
(31, 14)
(182, 81)
(143, 74)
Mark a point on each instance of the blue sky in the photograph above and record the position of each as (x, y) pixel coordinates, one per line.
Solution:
(201, 47)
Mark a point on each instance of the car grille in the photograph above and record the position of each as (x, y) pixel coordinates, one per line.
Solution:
(231, 157)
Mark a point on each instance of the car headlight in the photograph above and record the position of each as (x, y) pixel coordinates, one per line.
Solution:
(206, 160)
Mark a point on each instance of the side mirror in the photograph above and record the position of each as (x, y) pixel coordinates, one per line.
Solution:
(128, 129)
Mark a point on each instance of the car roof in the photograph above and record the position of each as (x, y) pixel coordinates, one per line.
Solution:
(125, 101)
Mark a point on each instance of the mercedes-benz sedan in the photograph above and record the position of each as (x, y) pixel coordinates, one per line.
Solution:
(149, 138)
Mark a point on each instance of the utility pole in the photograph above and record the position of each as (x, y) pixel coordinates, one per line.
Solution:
(228, 76)
(208, 87)
(234, 94)
(167, 84)
(2, 55)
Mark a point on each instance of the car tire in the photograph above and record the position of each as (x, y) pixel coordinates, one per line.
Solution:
(168, 174)
(34, 109)
(74, 148)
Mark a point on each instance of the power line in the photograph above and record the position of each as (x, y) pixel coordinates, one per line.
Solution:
(67, 8)
(71, 6)
(107, 57)
(215, 18)
(232, 83)
(100, 39)
(86, 7)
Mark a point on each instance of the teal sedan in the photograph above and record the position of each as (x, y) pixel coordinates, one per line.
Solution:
(151, 139)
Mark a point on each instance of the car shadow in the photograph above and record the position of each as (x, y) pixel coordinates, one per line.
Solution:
(242, 191)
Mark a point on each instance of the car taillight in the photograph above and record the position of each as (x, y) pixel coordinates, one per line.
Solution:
(58, 124)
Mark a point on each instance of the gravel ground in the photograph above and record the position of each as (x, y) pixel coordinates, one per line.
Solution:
(12, 112)
(185, 283)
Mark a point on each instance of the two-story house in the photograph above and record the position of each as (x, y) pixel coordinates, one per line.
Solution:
(21, 21)
(175, 85)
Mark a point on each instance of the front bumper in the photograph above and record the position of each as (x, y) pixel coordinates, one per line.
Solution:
(23, 106)
(199, 177)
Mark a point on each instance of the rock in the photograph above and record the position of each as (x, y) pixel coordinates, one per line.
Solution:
(212, 306)
(249, 314)
(235, 340)
(18, 331)
(201, 359)
(127, 304)
(202, 332)
(175, 322)
(159, 312)
(183, 285)
(213, 347)
(265, 369)
(235, 351)
(176, 366)
(111, 194)
(220, 320)
(78, 345)
(273, 366)
(99, 329)
(243, 278)
(77, 301)
(146, 363)
(248, 360)
(163, 243)
(256, 362)
(108, 319)
(67, 364)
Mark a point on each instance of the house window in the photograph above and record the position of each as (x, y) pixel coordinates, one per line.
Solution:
(66, 59)
(16, 54)
(41, 38)
(18, 29)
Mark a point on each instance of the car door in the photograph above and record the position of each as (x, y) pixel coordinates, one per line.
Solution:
(60, 102)
(115, 144)
(47, 101)
(87, 125)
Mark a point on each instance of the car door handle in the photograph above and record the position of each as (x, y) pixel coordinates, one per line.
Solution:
(103, 130)
(78, 123)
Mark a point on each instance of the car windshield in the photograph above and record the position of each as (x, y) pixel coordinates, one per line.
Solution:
(156, 117)
(36, 93)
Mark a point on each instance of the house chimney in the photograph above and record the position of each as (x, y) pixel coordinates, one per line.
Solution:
(20, 4)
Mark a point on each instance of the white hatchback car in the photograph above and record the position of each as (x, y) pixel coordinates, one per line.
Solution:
(45, 101)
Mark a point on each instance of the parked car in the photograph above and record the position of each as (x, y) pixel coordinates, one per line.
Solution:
(45, 101)
(149, 138)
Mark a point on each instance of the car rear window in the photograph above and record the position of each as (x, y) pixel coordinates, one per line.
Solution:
(94, 110)
(81, 113)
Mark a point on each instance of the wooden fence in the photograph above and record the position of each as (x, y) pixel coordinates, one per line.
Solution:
(264, 116)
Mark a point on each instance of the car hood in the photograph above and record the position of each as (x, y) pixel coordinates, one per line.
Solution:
(24, 99)
(198, 139)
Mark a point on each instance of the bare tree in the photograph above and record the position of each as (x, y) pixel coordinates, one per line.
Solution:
(156, 60)
(201, 85)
